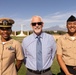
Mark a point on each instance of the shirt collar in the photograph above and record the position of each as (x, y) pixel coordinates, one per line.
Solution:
(41, 35)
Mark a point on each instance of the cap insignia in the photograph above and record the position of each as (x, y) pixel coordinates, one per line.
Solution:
(5, 22)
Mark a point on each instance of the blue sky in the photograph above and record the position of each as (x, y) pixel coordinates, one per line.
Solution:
(53, 12)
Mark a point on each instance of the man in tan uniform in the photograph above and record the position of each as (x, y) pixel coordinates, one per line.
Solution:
(10, 49)
(66, 49)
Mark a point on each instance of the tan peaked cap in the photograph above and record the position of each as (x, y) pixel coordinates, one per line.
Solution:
(6, 22)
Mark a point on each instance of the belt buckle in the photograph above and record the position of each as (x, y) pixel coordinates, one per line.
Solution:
(38, 71)
(43, 71)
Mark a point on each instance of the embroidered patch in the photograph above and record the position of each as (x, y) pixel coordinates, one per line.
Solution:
(10, 48)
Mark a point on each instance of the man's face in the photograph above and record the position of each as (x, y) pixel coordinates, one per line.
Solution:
(5, 32)
(71, 26)
(37, 25)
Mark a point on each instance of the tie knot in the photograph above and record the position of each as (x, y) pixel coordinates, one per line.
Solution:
(38, 37)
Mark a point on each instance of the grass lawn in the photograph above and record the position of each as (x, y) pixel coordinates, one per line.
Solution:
(55, 67)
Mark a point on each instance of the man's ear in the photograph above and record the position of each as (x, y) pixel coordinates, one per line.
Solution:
(31, 25)
(42, 24)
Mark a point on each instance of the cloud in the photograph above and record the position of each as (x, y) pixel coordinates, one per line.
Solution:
(57, 18)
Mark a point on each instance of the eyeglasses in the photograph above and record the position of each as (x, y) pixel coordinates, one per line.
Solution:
(34, 23)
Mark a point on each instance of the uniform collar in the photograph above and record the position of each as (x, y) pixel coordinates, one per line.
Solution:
(67, 36)
(10, 41)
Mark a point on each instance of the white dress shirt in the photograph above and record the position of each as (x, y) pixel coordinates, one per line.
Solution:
(48, 50)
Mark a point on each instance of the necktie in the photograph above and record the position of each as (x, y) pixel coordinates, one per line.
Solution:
(39, 53)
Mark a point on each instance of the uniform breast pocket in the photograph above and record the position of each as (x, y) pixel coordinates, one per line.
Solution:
(66, 49)
(9, 53)
(10, 50)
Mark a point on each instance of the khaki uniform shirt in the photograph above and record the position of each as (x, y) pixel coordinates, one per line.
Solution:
(67, 48)
(9, 51)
